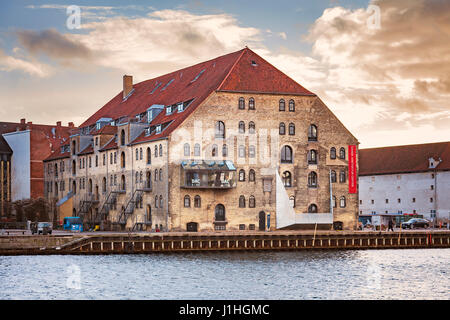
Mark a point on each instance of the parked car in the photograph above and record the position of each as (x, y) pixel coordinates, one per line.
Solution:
(41, 228)
(415, 223)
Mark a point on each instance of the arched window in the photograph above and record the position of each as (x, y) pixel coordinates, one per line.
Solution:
(187, 201)
(291, 105)
(224, 151)
(160, 202)
(251, 202)
(251, 151)
(197, 150)
(251, 104)
(312, 157)
(241, 151)
(156, 201)
(74, 147)
(156, 174)
(333, 153)
(220, 130)
(241, 103)
(342, 202)
(123, 183)
(160, 174)
(56, 170)
(292, 201)
(90, 186)
(56, 189)
(197, 201)
(104, 185)
(137, 154)
(251, 127)
(342, 176)
(287, 179)
(333, 176)
(140, 176)
(74, 187)
(140, 153)
(342, 153)
(122, 159)
(149, 214)
(241, 175)
(286, 154)
(219, 213)
(214, 150)
(251, 175)
(334, 202)
(241, 127)
(148, 181)
(136, 177)
(241, 202)
(312, 133)
(156, 151)
(187, 150)
(122, 137)
(149, 156)
(312, 208)
(291, 129)
(74, 167)
(312, 179)
(282, 128)
(160, 150)
(282, 105)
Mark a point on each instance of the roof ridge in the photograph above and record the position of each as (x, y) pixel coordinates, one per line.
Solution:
(232, 67)
(406, 145)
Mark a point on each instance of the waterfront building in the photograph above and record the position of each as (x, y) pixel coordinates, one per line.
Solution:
(410, 179)
(5, 175)
(227, 144)
(31, 144)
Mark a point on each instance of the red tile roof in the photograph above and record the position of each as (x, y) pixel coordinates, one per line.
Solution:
(4, 146)
(58, 154)
(89, 149)
(403, 159)
(231, 72)
(108, 130)
(111, 144)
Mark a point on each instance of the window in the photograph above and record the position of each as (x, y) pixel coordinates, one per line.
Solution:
(342, 153)
(312, 133)
(251, 127)
(140, 153)
(413, 199)
(96, 160)
(149, 156)
(104, 159)
(342, 202)
(251, 175)
(282, 128)
(342, 176)
(241, 103)
(140, 176)
(251, 151)
(312, 208)
(137, 177)
(156, 151)
(282, 105)
(137, 154)
(90, 162)
(187, 150)
(197, 201)
(431, 199)
(104, 185)
(292, 201)
(156, 174)
(187, 201)
(220, 130)
(241, 151)
(312, 179)
(291, 105)
(160, 174)
(241, 127)
(219, 213)
(224, 151)
(286, 154)
(333, 153)
(312, 157)
(123, 184)
(291, 129)
(160, 202)
(432, 187)
(74, 145)
(333, 176)
(122, 160)
(372, 201)
(122, 138)
(399, 200)
(251, 202)
(241, 175)
(334, 202)
(287, 179)
(241, 202)
(197, 150)
(160, 150)
(214, 150)
(115, 157)
(251, 104)
(386, 200)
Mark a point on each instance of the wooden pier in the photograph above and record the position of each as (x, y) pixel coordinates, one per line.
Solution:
(136, 243)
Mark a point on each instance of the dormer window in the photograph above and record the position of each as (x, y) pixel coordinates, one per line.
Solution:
(147, 131)
(168, 110)
(180, 107)
(158, 128)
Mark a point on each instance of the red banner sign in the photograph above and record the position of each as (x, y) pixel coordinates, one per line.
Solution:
(352, 174)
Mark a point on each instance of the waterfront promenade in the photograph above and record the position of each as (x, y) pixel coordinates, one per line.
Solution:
(61, 242)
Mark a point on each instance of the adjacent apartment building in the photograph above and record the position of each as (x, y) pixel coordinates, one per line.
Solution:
(413, 179)
(227, 144)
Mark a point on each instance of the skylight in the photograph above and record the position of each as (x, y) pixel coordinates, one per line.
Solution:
(167, 84)
(199, 74)
(156, 87)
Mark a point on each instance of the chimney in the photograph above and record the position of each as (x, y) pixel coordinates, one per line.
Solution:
(127, 85)
(58, 123)
(22, 121)
(30, 123)
(71, 124)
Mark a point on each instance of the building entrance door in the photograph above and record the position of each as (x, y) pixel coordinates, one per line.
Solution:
(262, 221)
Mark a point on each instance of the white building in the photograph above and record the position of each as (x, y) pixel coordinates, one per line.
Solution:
(406, 179)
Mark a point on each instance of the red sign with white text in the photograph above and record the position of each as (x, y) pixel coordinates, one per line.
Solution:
(352, 173)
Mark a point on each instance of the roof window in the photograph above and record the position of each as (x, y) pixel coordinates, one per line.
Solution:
(158, 84)
(167, 84)
(198, 76)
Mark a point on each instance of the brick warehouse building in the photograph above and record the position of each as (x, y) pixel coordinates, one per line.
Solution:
(228, 144)
(31, 144)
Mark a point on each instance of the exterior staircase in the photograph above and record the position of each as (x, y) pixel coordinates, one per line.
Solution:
(128, 209)
(86, 204)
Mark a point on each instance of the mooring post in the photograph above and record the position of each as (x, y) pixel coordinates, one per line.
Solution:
(314, 237)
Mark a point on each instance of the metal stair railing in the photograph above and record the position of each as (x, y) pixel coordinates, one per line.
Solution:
(130, 206)
(107, 205)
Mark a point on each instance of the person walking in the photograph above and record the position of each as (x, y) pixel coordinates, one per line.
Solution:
(390, 225)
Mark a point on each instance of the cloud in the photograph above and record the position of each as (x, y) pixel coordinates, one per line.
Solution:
(33, 68)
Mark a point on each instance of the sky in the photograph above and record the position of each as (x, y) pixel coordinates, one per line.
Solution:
(381, 66)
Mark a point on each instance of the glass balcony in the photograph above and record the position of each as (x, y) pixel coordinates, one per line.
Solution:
(208, 174)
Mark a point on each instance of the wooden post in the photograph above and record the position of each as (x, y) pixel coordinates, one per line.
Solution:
(314, 237)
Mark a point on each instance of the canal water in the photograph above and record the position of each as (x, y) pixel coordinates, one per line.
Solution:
(355, 274)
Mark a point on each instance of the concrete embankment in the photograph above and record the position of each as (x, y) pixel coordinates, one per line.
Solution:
(133, 243)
